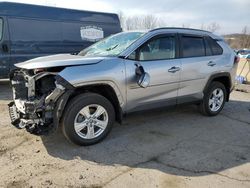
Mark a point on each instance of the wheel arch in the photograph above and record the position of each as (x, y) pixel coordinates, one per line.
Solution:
(224, 78)
(102, 89)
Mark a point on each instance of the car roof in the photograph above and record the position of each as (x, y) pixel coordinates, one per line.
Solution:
(179, 28)
(187, 31)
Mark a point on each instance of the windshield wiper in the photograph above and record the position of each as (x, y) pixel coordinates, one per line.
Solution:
(111, 48)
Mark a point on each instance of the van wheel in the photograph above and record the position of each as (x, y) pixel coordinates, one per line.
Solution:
(88, 119)
(214, 99)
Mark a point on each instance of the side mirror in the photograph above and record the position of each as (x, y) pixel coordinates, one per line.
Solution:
(143, 78)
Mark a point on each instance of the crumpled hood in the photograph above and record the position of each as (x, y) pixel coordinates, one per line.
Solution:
(58, 61)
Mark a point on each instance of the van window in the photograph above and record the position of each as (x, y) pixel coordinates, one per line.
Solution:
(35, 30)
(158, 49)
(31, 36)
(215, 47)
(1, 29)
(193, 46)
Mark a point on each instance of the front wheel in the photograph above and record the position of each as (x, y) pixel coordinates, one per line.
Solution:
(214, 99)
(88, 118)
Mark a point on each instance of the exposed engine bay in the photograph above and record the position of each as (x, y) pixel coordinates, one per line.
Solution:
(36, 94)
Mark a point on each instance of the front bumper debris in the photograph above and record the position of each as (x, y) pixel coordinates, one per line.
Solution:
(14, 115)
(35, 110)
(34, 126)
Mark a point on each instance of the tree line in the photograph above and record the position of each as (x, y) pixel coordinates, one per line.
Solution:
(150, 21)
(240, 40)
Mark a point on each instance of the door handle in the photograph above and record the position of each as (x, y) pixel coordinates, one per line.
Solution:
(211, 63)
(174, 69)
(5, 48)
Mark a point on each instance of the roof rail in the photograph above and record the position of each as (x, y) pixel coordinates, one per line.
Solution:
(182, 28)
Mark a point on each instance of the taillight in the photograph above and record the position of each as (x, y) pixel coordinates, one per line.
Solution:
(236, 59)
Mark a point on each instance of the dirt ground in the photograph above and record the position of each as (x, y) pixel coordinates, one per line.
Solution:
(160, 148)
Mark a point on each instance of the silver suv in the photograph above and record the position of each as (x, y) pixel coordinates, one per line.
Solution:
(126, 72)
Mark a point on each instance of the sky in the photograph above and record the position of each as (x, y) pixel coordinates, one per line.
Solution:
(231, 15)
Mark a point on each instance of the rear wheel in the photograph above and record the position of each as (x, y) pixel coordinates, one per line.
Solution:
(214, 99)
(88, 118)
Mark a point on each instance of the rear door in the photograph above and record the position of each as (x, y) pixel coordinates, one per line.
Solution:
(4, 48)
(198, 64)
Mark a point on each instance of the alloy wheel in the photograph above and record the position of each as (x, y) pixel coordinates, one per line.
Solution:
(216, 100)
(91, 121)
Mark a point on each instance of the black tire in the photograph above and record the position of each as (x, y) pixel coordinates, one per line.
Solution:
(204, 106)
(71, 111)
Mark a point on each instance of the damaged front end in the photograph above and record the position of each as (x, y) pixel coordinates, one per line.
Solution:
(39, 97)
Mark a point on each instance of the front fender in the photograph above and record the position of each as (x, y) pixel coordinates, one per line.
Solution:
(109, 72)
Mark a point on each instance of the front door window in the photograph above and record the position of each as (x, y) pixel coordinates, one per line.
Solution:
(158, 49)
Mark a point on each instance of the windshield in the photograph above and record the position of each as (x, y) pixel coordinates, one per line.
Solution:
(112, 45)
(244, 52)
(1, 28)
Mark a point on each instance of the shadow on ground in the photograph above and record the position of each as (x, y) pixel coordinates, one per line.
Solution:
(178, 141)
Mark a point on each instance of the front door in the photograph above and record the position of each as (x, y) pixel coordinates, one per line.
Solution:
(158, 58)
(4, 48)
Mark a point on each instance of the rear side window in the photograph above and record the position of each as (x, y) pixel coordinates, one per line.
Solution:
(1, 29)
(193, 46)
(214, 46)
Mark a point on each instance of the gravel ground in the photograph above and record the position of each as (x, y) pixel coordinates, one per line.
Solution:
(160, 148)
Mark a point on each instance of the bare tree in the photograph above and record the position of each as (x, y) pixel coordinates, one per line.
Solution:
(239, 41)
(133, 23)
(186, 25)
(213, 27)
(210, 27)
(203, 26)
(50, 3)
(138, 22)
(245, 38)
(149, 21)
(122, 19)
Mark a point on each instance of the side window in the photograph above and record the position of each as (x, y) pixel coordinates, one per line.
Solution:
(158, 49)
(193, 46)
(215, 47)
(1, 29)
